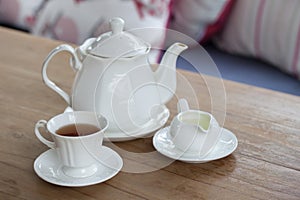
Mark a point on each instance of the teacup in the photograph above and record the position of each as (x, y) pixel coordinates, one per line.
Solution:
(77, 138)
(194, 131)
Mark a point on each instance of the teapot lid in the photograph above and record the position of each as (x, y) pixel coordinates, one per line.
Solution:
(118, 43)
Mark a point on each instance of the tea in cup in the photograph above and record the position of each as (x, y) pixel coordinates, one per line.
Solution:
(194, 131)
(77, 138)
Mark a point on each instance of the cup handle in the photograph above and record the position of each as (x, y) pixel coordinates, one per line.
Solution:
(182, 105)
(42, 124)
(75, 64)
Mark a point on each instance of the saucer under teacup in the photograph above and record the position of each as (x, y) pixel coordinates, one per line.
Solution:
(48, 168)
(226, 144)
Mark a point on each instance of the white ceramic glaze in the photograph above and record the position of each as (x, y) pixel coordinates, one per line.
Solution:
(115, 79)
(159, 118)
(194, 130)
(76, 154)
(49, 168)
(226, 144)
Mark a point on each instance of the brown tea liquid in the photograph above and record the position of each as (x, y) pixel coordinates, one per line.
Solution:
(74, 130)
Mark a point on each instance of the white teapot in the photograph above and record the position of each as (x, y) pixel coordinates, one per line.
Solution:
(114, 77)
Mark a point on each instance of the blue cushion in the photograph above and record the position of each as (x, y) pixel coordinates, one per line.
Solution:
(238, 68)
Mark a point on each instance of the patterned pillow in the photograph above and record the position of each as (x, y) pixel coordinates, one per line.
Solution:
(20, 13)
(265, 29)
(200, 19)
(76, 20)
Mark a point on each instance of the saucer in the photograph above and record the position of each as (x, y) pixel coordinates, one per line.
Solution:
(160, 118)
(48, 168)
(224, 147)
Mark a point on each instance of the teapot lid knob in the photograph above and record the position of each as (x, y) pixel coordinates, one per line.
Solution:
(117, 25)
(118, 42)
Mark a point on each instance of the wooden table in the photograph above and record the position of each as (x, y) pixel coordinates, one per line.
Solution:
(266, 164)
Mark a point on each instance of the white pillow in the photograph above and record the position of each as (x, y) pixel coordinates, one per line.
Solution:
(265, 29)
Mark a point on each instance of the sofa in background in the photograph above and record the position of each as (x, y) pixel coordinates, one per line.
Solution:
(246, 70)
(267, 30)
(247, 39)
(259, 45)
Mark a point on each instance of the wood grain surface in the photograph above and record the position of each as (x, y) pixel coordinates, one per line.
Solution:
(266, 164)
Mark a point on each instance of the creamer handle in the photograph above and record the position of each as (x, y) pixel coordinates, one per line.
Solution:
(75, 64)
(182, 105)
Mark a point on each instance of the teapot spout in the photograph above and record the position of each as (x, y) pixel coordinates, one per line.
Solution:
(165, 75)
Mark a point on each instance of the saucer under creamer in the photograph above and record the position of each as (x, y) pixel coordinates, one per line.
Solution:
(226, 144)
(48, 168)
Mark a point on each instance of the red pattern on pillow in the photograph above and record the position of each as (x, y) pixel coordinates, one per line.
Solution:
(20, 13)
(58, 22)
(90, 18)
(215, 28)
(200, 19)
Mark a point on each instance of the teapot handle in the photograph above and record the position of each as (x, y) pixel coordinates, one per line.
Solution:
(75, 64)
